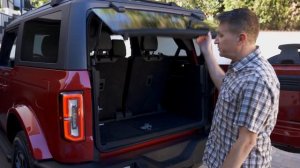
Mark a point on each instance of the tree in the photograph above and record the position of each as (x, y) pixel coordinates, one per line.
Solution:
(273, 14)
(38, 3)
(232, 4)
(278, 14)
(209, 7)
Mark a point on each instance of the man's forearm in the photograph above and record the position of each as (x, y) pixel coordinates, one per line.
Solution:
(240, 149)
(215, 71)
(237, 156)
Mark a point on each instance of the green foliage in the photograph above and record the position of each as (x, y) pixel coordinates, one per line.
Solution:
(278, 14)
(38, 3)
(273, 14)
(209, 7)
(230, 4)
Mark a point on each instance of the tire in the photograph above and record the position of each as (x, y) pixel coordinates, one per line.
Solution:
(22, 157)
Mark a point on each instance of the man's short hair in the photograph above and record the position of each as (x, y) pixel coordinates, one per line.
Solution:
(241, 20)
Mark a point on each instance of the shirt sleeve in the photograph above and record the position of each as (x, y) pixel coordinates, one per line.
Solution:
(255, 104)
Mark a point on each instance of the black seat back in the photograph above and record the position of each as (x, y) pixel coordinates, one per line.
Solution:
(112, 66)
(148, 79)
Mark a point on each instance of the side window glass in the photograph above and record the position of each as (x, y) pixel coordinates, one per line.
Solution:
(8, 49)
(12, 54)
(197, 48)
(40, 41)
(168, 47)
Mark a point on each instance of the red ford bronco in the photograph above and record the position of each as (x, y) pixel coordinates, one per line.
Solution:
(111, 83)
(104, 84)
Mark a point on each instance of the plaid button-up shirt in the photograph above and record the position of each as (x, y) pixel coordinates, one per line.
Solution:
(249, 97)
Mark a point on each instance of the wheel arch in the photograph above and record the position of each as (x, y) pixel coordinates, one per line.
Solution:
(23, 118)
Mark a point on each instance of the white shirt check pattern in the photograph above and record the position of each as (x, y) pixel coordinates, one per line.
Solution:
(249, 97)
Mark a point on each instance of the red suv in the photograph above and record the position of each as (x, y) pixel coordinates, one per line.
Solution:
(112, 83)
(286, 134)
(105, 84)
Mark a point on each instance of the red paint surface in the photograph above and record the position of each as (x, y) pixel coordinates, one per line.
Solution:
(35, 93)
(287, 129)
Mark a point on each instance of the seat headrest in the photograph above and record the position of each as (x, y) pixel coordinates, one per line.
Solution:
(149, 43)
(118, 48)
(104, 42)
(50, 48)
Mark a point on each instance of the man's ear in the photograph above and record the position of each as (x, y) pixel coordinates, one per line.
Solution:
(242, 37)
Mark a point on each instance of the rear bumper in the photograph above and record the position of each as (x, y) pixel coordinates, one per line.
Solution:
(286, 137)
(140, 163)
(186, 153)
(53, 164)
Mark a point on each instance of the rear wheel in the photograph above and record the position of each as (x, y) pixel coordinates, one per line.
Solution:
(21, 156)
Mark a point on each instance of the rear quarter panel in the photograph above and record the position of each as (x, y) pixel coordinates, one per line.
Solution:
(39, 89)
(287, 130)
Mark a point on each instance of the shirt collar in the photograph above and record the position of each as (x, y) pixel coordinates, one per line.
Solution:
(238, 65)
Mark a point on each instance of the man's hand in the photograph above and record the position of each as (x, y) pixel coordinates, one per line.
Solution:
(205, 44)
(200, 39)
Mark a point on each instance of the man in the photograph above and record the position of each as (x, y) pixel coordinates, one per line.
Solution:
(247, 106)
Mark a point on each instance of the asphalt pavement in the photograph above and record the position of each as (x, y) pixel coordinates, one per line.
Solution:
(282, 159)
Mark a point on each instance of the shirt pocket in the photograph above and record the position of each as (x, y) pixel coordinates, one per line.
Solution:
(226, 95)
(227, 103)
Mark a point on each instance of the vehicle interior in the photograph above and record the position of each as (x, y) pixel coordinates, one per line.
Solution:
(145, 86)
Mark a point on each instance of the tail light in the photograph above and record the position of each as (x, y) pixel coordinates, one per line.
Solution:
(73, 116)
